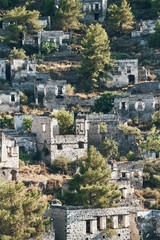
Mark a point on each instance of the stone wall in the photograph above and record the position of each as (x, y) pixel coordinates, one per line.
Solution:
(78, 223)
(141, 101)
(71, 146)
(18, 121)
(146, 28)
(9, 158)
(3, 68)
(128, 170)
(148, 224)
(9, 101)
(94, 10)
(125, 73)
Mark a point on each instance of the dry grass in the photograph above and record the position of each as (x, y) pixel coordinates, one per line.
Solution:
(39, 173)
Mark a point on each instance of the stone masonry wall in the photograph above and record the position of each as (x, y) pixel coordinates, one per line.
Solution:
(71, 222)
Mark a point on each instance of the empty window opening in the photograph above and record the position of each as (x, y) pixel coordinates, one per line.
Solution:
(9, 151)
(123, 105)
(59, 146)
(81, 144)
(120, 221)
(157, 154)
(12, 98)
(14, 175)
(117, 71)
(96, 16)
(140, 105)
(88, 226)
(128, 69)
(87, 8)
(131, 79)
(96, 7)
(98, 223)
(123, 175)
(60, 90)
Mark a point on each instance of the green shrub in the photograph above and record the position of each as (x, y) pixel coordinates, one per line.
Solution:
(30, 158)
(27, 123)
(49, 47)
(18, 53)
(60, 165)
(104, 103)
(131, 156)
(23, 98)
(7, 121)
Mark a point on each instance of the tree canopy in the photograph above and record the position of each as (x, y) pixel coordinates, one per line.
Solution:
(21, 212)
(67, 15)
(104, 103)
(95, 54)
(65, 121)
(119, 18)
(22, 21)
(91, 187)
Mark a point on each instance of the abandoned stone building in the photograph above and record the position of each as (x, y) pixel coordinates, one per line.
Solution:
(9, 101)
(51, 93)
(53, 145)
(125, 73)
(58, 37)
(146, 27)
(3, 68)
(149, 224)
(9, 158)
(141, 101)
(96, 135)
(23, 73)
(94, 10)
(26, 141)
(82, 223)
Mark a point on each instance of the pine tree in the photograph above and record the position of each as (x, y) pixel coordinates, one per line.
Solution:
(67, 15)
(92, 187)
(22, 21)
(119, 19)
(95, 54)
(21, 212)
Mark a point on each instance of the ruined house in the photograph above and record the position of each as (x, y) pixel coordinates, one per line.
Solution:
(125, 73)
(140, 102)
(3, 68)
(9, 101)
(94, 10)
(23, 73)
(89, 223)
(9, 158)
(96, 134)
(51, 93)
(53, 145)
(146, 27)
(36, 40)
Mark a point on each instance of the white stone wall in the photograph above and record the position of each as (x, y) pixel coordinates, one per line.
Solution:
(9, 101)
(3, 68)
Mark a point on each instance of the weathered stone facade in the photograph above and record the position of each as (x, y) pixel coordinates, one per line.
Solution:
(3, 68)
(146, 28)
(149, 224)
(142, 101)
(125, 73)
(46, 36)
(55, 94)
(94, 10)
(9, 101)
(54, 145)
(132, 171)
(95, 136)
(9, 158)
(79, 223)
(23, 73)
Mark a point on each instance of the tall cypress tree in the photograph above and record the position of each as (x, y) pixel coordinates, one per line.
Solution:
(67, 15)
(119, 18)
(92, 187)
(95, 55)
